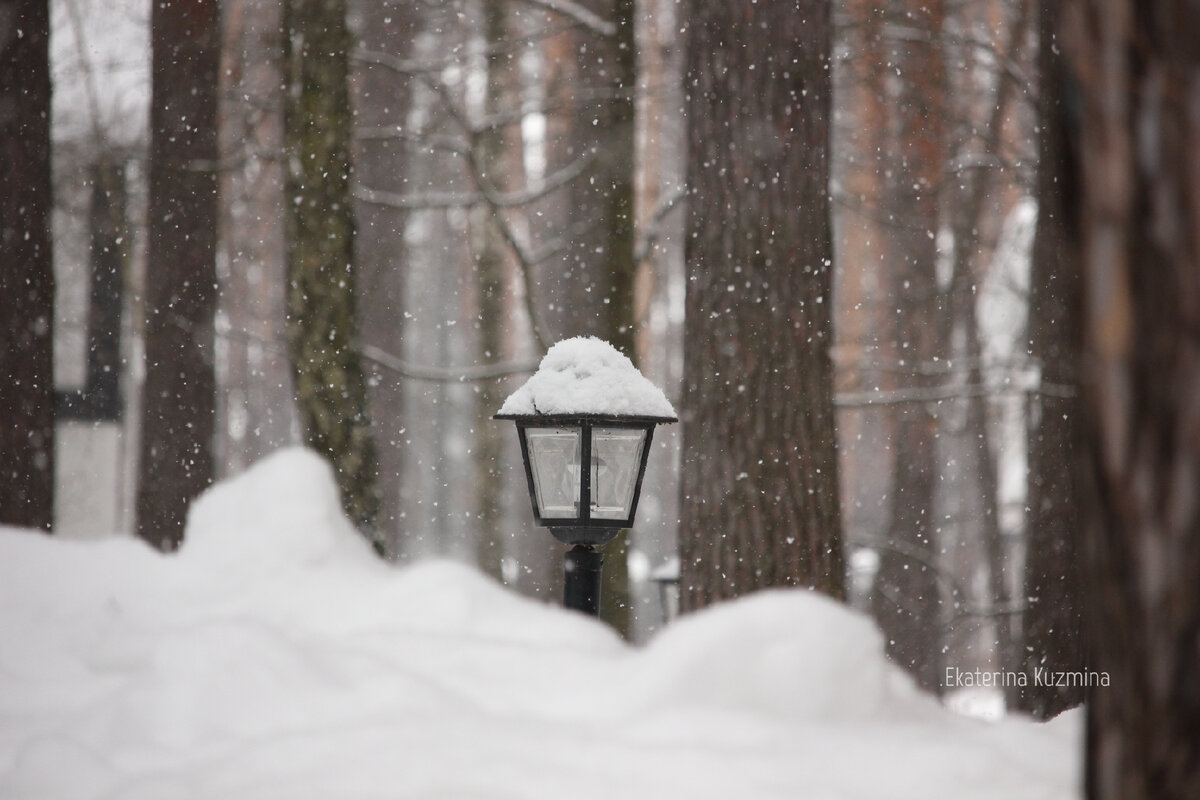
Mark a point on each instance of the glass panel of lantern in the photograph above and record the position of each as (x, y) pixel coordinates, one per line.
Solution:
(616, 460)
(554, 459)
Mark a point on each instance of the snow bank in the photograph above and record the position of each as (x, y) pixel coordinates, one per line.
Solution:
(586, 375)
(273, 656)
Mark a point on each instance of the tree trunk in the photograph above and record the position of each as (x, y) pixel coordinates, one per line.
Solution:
(593, 292)
(27, 278)
(976, 204)
(330, 388)
(590, 291)
(383, 105)
(864, 316)
(611, 189)
(907, 595)
(759, 482)
(1052, 638)
(256, 410)
(1137, 68)
(498, 160)
(178, 395)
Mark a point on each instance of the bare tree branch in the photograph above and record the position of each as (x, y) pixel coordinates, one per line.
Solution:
(404, 66)
(448, 144)
(381, 197)
(578, 14)
(377, 356)
(494, 198)
(940, 393)
(654, 226)
(444, 374)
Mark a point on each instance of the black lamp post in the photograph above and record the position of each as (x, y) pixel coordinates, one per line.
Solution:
(585, 468)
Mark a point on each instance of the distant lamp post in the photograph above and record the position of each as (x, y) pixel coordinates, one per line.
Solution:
(585, 420)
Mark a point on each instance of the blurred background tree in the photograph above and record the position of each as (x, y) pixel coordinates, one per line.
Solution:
(327, 371)
(27, 455)
(497, 175)
(178, 408)
(1133, 193)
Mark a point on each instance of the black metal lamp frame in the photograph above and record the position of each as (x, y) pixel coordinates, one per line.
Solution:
(583, 562)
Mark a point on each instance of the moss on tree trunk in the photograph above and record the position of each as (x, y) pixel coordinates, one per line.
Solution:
(330, 388)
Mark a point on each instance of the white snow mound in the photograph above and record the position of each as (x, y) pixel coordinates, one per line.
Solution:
(274, 657)
(586, 375)
(283, 510)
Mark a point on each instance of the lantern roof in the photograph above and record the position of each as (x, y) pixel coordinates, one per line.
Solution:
(586, 376)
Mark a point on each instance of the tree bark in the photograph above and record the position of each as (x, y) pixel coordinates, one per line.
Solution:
(384, 260)
(1051, 623)
(330, 388)
(975, 205)
(590, 290)
(609, 191)
(499, 156)
(256, 410)
(906, 600)
(1137, 69)
(178, 395)
(759, 481)
(27, 278)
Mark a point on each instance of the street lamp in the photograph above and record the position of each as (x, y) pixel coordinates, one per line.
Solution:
(585, 420)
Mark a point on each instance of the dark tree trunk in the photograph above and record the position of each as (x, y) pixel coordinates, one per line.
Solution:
(603, 254)
(759, 482)
(1052, 636)
(606, 194)
(974, 206)
(1137, 69)
(498, 158)
(590, 291)
(330, 389)
(178, 396)
(864, 321)
(27, 276)
(906, 600)
(383, 259)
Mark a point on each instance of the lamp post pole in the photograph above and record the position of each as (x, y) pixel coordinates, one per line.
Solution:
(582, 566)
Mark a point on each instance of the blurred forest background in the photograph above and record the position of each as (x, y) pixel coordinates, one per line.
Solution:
(359, 224)
(492, 145)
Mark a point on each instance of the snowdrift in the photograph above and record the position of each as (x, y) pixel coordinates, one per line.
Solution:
(275, 657)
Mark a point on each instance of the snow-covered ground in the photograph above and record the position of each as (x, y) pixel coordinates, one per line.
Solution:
(275, 657)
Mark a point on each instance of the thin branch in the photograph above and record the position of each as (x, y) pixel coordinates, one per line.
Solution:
(939, 393)
(448, 144)
(381, 197)
(521, 197)
(444, 374)
(525, 267)
(562, 242)
(578, 14)
(404, 66)
(946, 366)
(653, 229)
(411, 68)
(376, 355)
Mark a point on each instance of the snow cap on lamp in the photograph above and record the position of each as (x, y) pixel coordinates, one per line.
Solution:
(586, 375)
